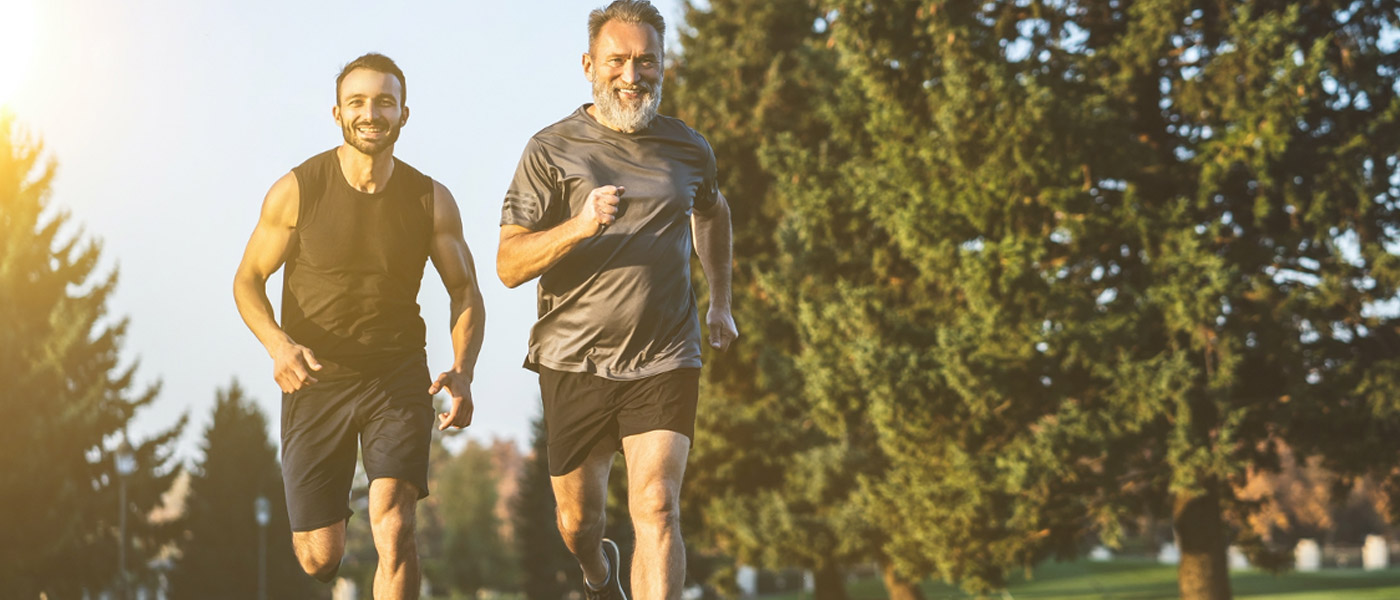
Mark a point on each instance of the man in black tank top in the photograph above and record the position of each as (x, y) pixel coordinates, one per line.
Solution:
(355, 228)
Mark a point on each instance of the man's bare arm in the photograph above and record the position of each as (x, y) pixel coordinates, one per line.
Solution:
(714, 244)
(524, 254)
(266, 251)
(453, 260)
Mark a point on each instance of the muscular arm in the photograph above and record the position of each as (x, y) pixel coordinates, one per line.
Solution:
(266, 251)
(714, 245)
(524, 254)
(453, 260)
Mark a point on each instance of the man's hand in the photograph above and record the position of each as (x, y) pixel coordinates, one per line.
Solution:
(723, 332)
(460, 387)
(292, 365)
(600, 209)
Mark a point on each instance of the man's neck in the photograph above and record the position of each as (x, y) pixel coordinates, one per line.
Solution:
(365, 172)
(592, 111)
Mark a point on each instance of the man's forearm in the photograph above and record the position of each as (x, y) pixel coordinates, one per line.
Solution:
(714, 245)
(528, 254)
(468, 331)
(256, 311)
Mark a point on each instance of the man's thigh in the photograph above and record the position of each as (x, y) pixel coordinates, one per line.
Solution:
(656, 463)
(397, 424)
(318, 453)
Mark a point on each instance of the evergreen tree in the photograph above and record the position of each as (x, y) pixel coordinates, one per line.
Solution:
(219, 554)
(764, 484)
(1077, 260)
(65, 401)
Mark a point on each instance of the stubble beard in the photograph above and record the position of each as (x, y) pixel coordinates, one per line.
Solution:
(371, 148)
(627, 116)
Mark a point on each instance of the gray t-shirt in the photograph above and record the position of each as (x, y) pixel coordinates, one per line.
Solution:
(620, 304)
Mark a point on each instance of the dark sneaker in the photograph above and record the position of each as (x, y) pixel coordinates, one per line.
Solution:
(612, 588)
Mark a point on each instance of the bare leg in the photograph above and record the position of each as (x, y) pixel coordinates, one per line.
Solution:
(392, 517)
(655, 467)
(581, 496)
(319, 550)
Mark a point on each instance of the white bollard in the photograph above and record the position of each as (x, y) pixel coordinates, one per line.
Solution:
(1169, 554)
(747, 580)
(1307, 557)
(344, 589)
(1100, 554)
(1375, 555)
(1236, 558)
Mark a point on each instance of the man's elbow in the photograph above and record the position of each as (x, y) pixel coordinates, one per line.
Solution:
(507, 277)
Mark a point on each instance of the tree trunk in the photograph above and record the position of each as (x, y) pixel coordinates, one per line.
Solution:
(1203, 573)
(898, 587)
(829, 584)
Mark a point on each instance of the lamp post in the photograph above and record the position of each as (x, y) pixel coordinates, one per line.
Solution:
(262, 511)
(126, 465)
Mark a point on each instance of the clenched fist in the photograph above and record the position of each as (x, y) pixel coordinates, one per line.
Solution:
(600, 209)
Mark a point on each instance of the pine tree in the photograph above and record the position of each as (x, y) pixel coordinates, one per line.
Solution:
(764, 485)
(220, 553)
(1074, 261)
(65, 401)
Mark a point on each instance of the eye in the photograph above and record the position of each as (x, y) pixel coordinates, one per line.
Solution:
(615, 62)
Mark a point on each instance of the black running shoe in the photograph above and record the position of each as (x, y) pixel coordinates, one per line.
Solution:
(612, 588)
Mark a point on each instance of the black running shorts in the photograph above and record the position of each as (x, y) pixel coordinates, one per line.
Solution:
(389, 417)
(581, 409)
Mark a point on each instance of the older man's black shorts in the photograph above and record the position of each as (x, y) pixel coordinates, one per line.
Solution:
(581, 410)
(388, 417)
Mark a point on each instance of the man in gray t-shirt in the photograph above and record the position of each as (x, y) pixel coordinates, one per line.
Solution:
(601, 209)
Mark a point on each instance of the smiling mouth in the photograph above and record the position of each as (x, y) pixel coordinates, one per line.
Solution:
(371, 131)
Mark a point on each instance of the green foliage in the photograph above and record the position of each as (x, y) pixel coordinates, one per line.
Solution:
(1038, 267)
(468, 553)
(764, 484)
(219, 552)
(65, 400)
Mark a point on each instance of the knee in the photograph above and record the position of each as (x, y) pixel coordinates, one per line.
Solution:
(655, 505)
(393, 531)
(576, 520)
(320, 563)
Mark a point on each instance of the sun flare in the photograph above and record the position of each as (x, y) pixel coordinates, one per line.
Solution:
(16, 47)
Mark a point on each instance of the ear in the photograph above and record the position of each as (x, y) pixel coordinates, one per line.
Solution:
(404, 119)
(335, 113)
(588, 66)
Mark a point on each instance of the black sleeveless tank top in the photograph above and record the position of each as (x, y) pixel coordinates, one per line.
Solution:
(350, 286)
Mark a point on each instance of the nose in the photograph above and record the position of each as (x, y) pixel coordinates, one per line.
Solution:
(629, 71)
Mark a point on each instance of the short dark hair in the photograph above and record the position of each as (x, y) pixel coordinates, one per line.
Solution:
(374, 61)
(626, 11)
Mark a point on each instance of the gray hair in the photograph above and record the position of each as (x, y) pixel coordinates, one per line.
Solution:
(626, 11)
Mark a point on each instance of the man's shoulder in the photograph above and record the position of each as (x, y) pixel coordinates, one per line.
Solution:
(674, 127)
(570, 126)
(320, 160)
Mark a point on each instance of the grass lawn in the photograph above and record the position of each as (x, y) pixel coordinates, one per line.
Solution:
(1127, 579)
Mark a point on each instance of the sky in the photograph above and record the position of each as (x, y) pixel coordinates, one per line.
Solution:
(170, 119)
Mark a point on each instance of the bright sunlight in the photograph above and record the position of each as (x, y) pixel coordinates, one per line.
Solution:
(16, 46)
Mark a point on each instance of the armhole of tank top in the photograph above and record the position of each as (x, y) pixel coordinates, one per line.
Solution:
(311, 185)
(430, 202)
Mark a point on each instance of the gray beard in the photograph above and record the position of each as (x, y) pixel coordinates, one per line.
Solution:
(624, 116)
